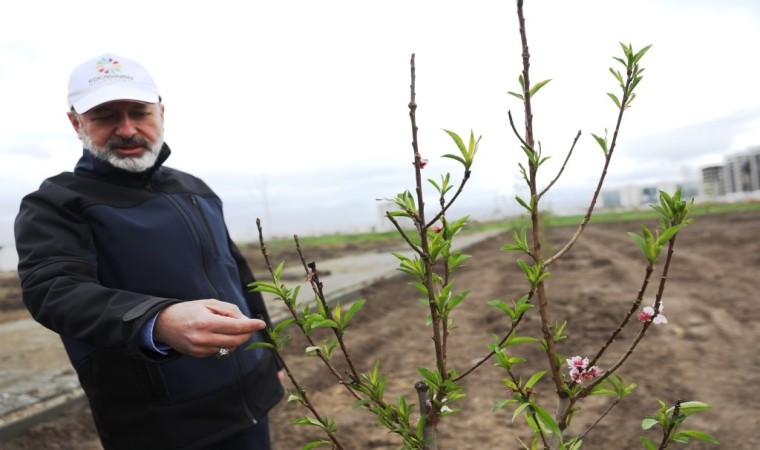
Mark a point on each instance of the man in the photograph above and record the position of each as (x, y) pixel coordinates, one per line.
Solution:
(131, 263)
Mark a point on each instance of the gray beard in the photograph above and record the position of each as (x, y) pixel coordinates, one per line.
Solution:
(134, 164)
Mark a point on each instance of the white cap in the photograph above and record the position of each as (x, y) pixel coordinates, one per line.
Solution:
(108, 78)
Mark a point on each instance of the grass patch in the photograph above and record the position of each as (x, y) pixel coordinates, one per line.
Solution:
(647, 214)
(335, 239)
(550, 220)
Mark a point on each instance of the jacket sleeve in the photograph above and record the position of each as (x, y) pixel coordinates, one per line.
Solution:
(59, 278)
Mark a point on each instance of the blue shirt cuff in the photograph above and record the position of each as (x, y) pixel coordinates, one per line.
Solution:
(146, 338)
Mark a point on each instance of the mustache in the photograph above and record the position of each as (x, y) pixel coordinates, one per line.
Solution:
(134, 141)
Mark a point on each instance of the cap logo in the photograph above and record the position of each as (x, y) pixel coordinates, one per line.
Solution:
(108, 65)
(109, 71)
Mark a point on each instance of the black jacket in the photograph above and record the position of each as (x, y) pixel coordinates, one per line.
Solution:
(101, 251)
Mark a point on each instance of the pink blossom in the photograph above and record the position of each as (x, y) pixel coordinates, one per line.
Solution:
(578, 362)
(647, 314)
(423, 162)
(437, 229)
(579, 370)
(591, 373)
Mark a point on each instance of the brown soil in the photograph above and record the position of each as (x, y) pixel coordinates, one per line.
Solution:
(706, 352)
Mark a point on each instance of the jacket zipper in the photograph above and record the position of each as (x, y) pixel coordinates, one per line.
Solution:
(199, 241)
(204, 223)
(243, 392)
(197, 238)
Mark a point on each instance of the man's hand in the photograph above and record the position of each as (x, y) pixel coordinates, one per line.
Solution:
(201, 327)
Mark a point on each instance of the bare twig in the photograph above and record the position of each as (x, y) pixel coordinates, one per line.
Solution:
(403, 234)
(517, 133)
(600, 183)
(294, 314)
(669, 430)
(445, 207)
(543, 305)
(634, 307)
(663, 280)
(302, 394)
(562, 169)
(433, 416)
(604, 414)
(501, 342)
(317, 287)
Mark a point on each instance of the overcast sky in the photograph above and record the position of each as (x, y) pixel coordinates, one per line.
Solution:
(296, 111)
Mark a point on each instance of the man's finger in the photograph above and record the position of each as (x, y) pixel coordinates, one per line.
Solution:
(225, 309)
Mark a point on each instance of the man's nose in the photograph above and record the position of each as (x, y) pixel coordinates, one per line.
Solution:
(126, 126)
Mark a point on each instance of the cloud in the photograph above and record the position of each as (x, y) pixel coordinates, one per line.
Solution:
(672, 153)
(297, 111)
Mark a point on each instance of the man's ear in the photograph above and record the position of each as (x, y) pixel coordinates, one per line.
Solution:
(74, 119)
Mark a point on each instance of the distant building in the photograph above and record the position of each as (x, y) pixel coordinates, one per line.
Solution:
(737, 179)
(643, 195)
(713, 181)
(743, 171)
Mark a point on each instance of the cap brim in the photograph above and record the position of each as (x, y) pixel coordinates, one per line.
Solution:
(113, 93)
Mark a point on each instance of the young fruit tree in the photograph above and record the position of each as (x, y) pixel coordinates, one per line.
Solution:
(546, 407)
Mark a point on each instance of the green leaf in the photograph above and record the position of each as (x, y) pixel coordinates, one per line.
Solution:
(502, 305)
(253, 345)
(325, 323)
(521, 340)
(538, 86)
(283, 324)
(647, 443)
(601, 141)
(691, 407)
(398, 214)
(458, 141)
(355, 307)
(534, 378)
(614, 99)
(518, 410)
(308, 421)
(516, 95)
(522, 203)
(648, 423)
(455, 157)
(314, 444)
(630, 100)
(547, 420)
(669, 233)
(259, 286)
(429, 376)
(698, 435)
(503, 403)
(641, 53)
(617, 75)
(639, 241)
(467, 152)
(457, 259)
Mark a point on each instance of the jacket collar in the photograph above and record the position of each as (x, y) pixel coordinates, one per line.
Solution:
(92, 167)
